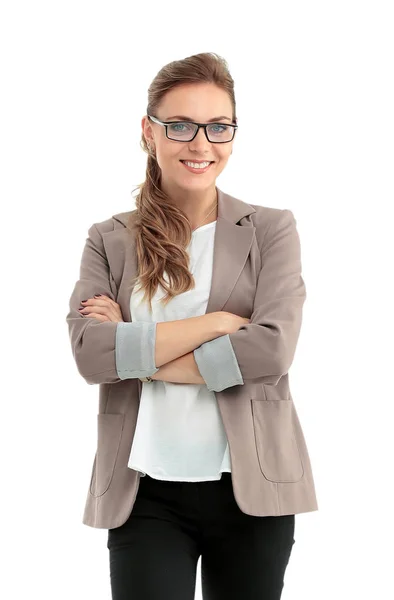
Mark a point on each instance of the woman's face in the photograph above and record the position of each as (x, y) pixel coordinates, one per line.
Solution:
(200, 102)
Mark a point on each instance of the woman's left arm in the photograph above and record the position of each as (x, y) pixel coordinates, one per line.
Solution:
(262, 351)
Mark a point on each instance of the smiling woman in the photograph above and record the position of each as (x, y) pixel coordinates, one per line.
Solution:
(190, 320)
(187, 124)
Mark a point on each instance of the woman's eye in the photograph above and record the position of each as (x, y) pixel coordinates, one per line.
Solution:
(220, 127)
(178, 127)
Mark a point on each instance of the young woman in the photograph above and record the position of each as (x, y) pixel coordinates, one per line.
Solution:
(199, 448)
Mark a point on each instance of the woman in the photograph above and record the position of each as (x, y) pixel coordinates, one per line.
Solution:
(200, 451)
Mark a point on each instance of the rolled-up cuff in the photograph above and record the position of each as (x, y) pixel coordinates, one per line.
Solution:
(218, 364)
(135, 349)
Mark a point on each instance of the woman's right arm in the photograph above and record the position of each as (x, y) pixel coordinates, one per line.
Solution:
(176, 338)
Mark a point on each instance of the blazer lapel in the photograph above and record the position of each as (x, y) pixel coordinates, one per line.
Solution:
(232, 245)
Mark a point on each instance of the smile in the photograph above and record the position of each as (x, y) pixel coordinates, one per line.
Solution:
(197, 167)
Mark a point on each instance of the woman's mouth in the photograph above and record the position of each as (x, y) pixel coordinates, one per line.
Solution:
(197, 167)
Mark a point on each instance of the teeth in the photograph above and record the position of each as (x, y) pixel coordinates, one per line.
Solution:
(196, 165)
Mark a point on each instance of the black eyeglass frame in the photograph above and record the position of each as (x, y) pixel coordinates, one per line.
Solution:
(203, 125)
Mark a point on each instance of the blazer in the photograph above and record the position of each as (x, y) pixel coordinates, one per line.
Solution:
(257, 275)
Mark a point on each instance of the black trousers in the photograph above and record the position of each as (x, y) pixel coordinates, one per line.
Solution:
(154, 554)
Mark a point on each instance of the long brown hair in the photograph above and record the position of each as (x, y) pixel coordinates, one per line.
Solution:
(162, 230)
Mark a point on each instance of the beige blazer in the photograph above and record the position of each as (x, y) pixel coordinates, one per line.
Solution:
(257, 275)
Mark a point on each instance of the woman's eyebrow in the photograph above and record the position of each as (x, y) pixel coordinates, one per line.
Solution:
(183, 118)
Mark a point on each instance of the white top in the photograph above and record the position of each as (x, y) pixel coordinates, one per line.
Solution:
(179, 434)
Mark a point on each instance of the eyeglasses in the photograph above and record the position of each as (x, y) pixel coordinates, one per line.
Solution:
(186, 131)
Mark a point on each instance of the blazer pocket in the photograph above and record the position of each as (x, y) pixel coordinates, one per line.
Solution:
(109, 434)
(276, 443)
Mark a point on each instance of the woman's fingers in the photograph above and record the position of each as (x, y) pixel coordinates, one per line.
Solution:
(107, 311)
(102, 308)
(99, 317)
(105, 299)
(101, 301)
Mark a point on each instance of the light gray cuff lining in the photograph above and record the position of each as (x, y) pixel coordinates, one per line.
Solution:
(218, 364)
(135, 349)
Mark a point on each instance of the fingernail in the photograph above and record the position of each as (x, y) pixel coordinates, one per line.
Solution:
(97, 295)
(83, 300)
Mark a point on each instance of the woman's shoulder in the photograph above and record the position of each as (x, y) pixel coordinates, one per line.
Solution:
(264, 213)
(269, 219)
(266, 216)
(116, 221)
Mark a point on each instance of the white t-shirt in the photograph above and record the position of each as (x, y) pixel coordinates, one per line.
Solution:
(179, 434)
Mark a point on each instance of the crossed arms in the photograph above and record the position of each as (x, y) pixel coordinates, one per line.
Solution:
(200, 351)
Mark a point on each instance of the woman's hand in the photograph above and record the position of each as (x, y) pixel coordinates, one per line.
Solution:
(230, 323)
(102, 308)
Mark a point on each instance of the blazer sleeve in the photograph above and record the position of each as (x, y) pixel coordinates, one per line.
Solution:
(106, 352)
(263, 350)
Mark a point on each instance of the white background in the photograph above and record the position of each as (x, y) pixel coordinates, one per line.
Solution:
(314, 92)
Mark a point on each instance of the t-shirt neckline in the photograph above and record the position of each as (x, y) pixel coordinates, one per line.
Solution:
(202, 227)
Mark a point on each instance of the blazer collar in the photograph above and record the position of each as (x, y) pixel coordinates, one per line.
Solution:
(232, 246)
(229, 208)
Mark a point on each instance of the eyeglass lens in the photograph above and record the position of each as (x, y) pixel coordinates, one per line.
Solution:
(217, 132)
